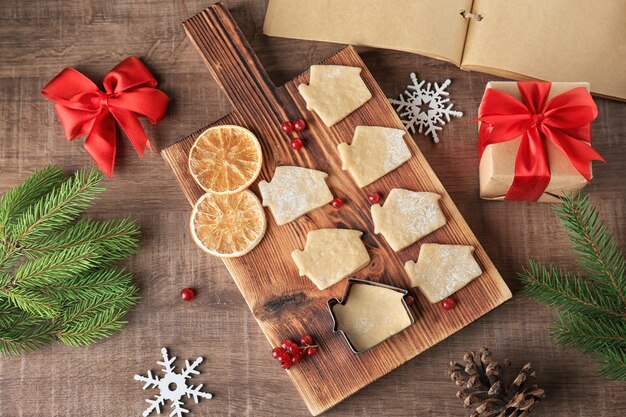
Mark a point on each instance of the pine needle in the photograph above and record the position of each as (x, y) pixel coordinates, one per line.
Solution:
(591, 306)
(56, 279)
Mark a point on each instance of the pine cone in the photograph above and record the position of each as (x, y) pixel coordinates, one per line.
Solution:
(482, 387)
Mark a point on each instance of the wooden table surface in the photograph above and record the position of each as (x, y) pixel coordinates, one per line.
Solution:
(39, 38)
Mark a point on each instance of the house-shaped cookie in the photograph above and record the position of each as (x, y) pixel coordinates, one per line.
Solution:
(334, 91)
(374, 152)
(294, 191)
(442, 270)
(407, 216)
(330, 255)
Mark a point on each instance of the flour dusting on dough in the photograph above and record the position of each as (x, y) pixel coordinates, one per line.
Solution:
(294, 191)
(441, 270)
(407, 216)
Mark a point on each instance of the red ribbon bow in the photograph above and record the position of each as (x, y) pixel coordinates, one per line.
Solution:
(86, 110)
(564, 120)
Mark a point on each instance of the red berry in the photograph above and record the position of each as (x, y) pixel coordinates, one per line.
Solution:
(337, 203)
(296, 357)
(299, 125)
(285, 344)
(312, 351)
(187, 294)
(296, 143)
(448, 304)
(306, 340)
(285, 361)
(373, 198)
(277, 352)
(287, 127)
(289, 346)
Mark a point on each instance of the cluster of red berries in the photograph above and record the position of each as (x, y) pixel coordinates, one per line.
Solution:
(298, 126)
(289, 353)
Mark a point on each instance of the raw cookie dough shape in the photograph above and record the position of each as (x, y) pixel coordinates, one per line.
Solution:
(407, 216)
(374, 152)
(334, 91)
(294, 191)
(442, 270)
(330, 255)
(370, 313)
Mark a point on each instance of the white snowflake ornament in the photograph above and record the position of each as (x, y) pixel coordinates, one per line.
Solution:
(172, 386)
(424, 108)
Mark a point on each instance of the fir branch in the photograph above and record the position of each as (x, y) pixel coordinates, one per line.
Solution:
(612, 363)
(125, 298)
(591, 308)
(19, 198)
(8, 314)
(92, 328)
(589, 333)
(93, 319)
(597, 252)
(54, 267)
(33, 302)
(98, 282)
(26, 333)
(8, 258)
(58, 208)
(56, 282)
(110, 240)
(559, 288)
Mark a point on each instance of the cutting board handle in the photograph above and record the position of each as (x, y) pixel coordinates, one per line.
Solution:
(231, 60)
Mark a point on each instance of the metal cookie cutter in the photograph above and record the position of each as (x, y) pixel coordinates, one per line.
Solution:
(334, 301)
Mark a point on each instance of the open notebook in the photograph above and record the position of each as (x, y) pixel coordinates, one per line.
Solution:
(554, 40)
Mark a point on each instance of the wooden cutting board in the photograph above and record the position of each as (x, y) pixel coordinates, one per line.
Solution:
(284, 304)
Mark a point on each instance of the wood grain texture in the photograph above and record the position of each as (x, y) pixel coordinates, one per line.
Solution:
(284, 304)
(38, 39)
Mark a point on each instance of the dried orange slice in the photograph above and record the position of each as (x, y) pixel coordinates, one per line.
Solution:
(225, 159)
(228, 225)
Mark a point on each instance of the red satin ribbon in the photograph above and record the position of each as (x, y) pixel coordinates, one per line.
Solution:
(565, 120)
(84, 109)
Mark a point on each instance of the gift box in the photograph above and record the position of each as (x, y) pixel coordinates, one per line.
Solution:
(535, 140)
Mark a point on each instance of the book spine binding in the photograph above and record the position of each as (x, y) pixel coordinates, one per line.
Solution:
(467, 15)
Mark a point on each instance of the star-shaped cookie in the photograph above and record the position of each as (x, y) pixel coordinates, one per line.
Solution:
(374, 152)
(407, 216)
(334, 91)
(294, 191)
(442, 270)
(331, 255)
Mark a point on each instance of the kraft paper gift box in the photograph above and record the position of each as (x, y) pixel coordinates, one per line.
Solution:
(497, 164)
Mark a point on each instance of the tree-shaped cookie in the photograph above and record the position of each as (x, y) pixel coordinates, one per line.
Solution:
(407, 216)
(370, 313)
(374, 152)
(331, 255)
(294, 191)
(442, 270)
(334, 91)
